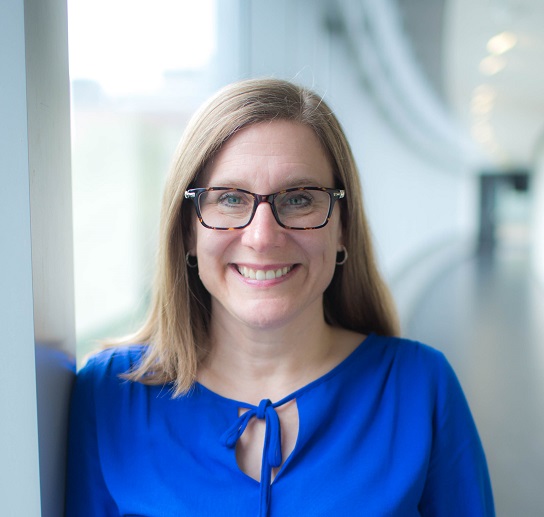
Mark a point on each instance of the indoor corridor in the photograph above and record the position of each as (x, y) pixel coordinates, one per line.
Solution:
(438, 98)
(487, 315)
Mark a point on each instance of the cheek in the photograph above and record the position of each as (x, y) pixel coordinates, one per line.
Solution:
(321, 249)
(211, 245)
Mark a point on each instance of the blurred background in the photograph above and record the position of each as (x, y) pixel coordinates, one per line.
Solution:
(442, 101)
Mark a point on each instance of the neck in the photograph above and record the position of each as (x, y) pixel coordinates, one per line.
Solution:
(253, 363)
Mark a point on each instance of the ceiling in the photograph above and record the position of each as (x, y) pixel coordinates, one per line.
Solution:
(500, 101)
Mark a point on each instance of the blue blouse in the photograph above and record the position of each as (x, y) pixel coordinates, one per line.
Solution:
(387, 432)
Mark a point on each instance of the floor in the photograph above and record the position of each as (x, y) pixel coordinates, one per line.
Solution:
(487, 315)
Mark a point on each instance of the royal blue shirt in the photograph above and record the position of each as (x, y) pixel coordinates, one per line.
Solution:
(387, 432)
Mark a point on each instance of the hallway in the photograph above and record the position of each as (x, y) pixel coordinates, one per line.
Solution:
(487, 315)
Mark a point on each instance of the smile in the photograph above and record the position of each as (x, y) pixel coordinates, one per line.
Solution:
(260, 274)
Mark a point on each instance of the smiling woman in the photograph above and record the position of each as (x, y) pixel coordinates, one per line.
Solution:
(273, 333)
(263, 157)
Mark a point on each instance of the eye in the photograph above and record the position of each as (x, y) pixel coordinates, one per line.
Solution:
(231, 199)
(298, 199)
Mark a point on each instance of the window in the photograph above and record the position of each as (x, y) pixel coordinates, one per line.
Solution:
(138, 71)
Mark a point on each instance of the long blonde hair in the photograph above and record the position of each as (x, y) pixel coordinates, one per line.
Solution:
(176, 327)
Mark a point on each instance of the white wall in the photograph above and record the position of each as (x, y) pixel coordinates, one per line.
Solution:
(537, 181)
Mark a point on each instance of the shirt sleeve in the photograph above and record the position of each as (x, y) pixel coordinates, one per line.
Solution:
(457, 480)
(87, 493)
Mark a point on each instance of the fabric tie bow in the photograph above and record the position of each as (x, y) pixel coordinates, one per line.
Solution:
(272, 457)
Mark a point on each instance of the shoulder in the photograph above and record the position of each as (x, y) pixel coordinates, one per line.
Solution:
(106, 366)
(412, 366)
(421, 368)
(100, 388)
(407, 353)
(118, 358)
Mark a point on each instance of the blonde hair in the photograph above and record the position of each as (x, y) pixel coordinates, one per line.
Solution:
(176, 327)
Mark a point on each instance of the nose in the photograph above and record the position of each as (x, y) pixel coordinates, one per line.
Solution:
(264, 232)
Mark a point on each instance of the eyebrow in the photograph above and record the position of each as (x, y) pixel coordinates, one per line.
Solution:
(289, 183)
(302, 182)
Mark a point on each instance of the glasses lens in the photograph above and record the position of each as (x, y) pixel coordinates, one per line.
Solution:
(226, 208)
(302, 208)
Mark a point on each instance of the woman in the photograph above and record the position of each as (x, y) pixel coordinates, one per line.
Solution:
(266, 380)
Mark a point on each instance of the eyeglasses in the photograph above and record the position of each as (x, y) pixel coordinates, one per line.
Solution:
(301, 208)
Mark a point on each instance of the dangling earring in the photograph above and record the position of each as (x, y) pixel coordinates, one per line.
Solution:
(191, 260)
(342, 255)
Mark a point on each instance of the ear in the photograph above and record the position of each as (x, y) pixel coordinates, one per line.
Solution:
(188, 243)
(190, 247)
(189, 239)
(340, 243)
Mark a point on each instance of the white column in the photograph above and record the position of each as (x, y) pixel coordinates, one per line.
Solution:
(19, 477)
(36, 272)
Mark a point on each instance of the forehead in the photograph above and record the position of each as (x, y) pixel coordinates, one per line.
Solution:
(275, 154)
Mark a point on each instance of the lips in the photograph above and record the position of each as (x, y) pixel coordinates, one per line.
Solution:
(262, 274)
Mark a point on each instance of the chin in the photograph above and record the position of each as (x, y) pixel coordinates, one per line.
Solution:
(262, 316)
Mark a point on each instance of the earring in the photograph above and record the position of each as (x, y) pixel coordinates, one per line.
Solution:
(342, 256)
(191, 260)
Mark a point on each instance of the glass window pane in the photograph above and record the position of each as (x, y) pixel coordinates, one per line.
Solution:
(138, 71)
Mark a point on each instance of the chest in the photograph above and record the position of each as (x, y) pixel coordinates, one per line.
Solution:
(169, 460)
(250, 446)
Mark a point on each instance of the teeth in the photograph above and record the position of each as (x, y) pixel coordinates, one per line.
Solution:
(260, 274)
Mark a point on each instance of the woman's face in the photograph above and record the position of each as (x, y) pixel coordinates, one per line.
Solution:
(266, 158)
